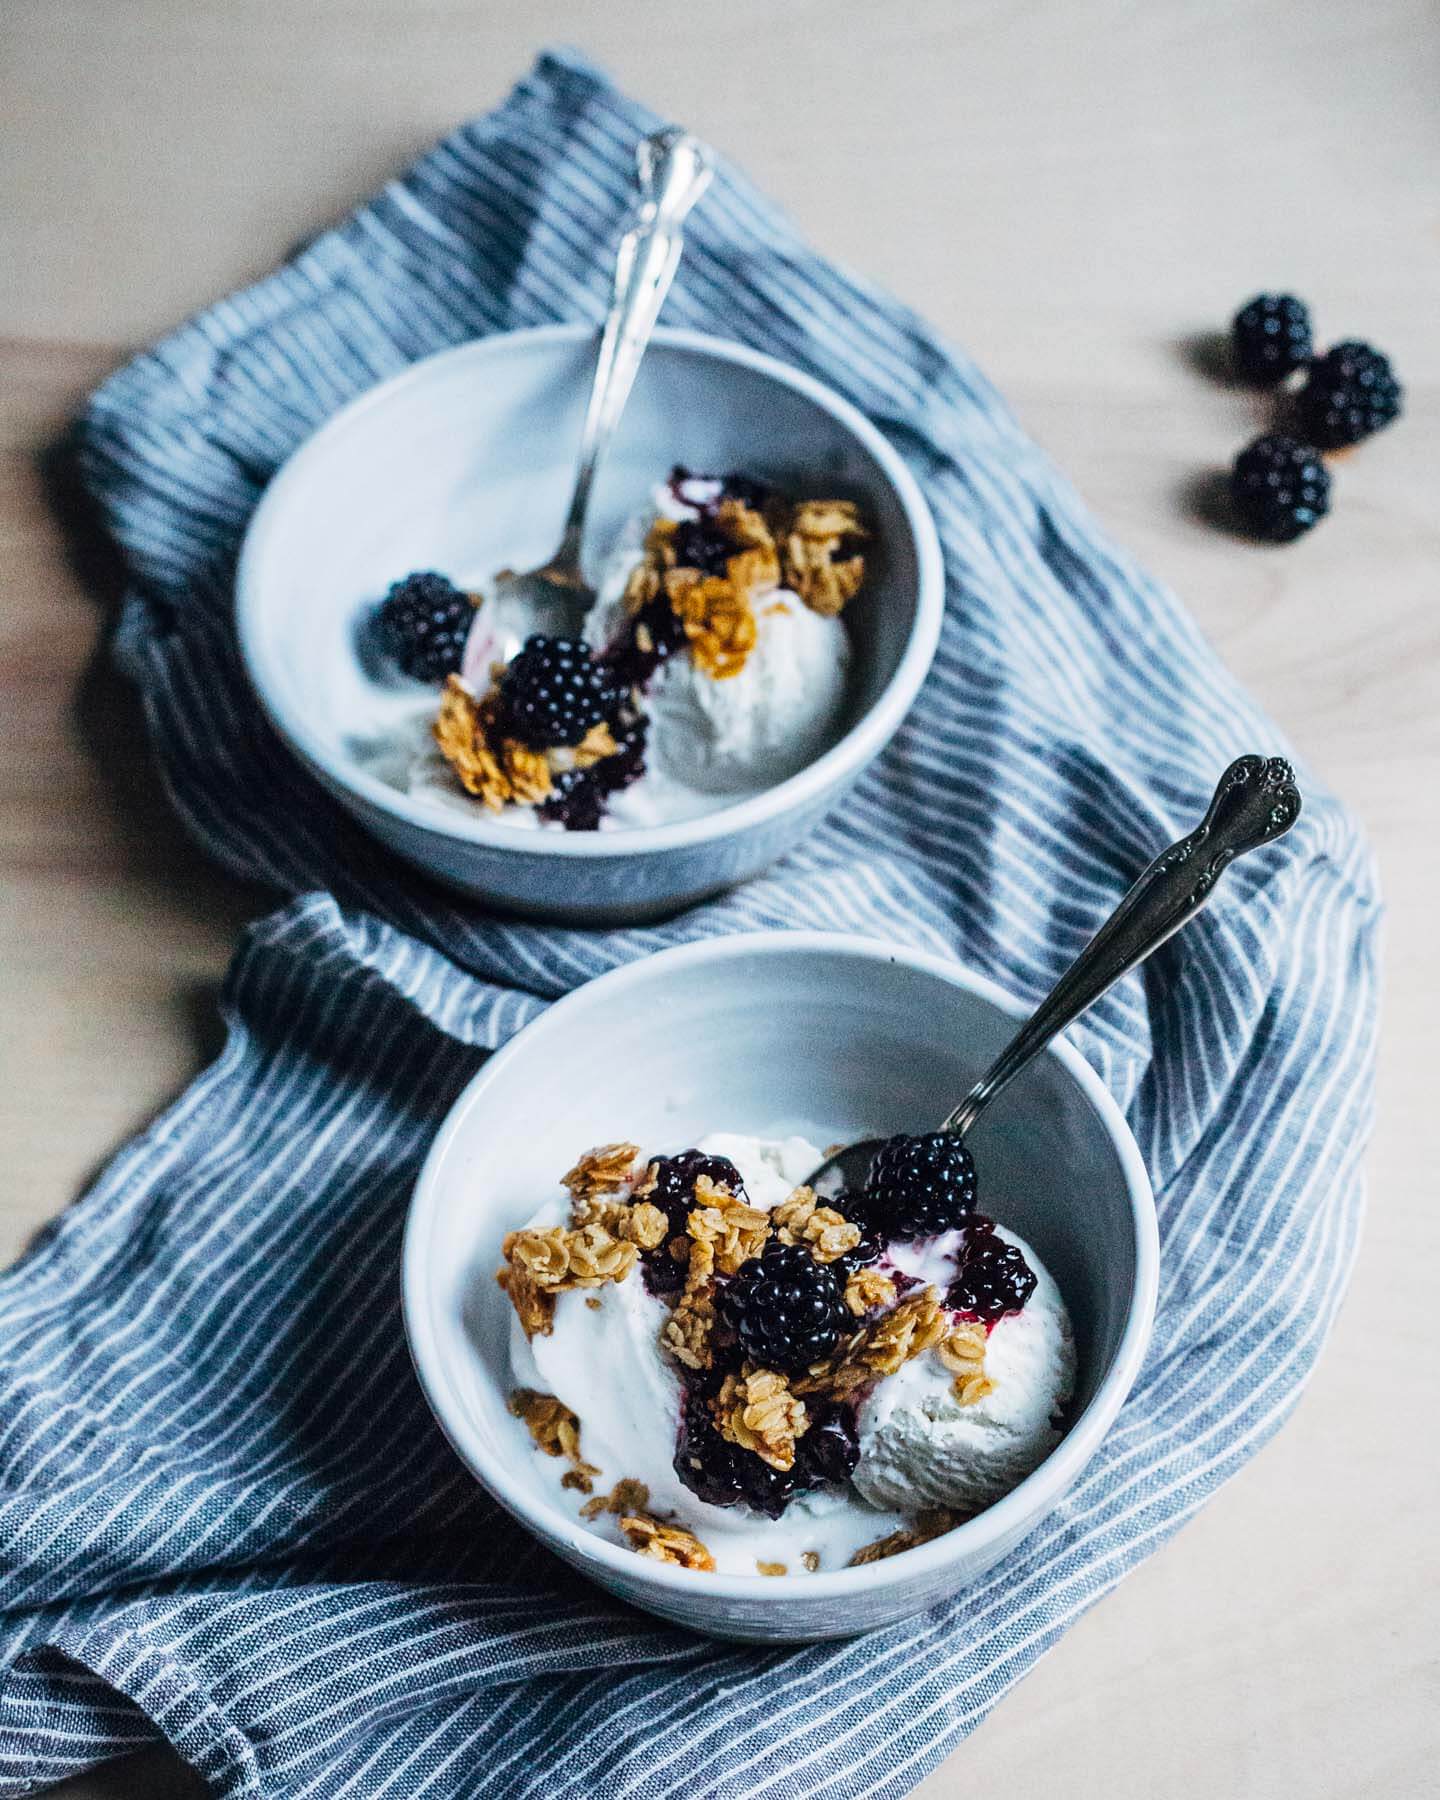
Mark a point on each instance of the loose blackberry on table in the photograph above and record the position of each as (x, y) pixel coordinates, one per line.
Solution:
(1352, 392)
(1271, 337)
(423, 623)
(921, 1186)
(1280, 487)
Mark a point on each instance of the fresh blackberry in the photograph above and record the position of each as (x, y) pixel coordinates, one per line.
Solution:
(554, 692)
(1280, 488)
(1352, 391)
(423, 623)
(701, 544)
(994, 1277)
(1271, 336)
(921, 1186)
(856, 1208)
(723, 1474)
(786, 1309)
(577, 796)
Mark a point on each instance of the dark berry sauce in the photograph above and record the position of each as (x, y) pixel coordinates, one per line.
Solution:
(992, 1277)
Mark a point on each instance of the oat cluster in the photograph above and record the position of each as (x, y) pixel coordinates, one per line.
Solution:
(799, 547)
(880, 1347)
(665, 1543)
(803, 1220)
(496, 768)
(933, 1522)
(963, 1354)
(866, 1290)
(556, 1431)
(601, 1243)
(757, 1411)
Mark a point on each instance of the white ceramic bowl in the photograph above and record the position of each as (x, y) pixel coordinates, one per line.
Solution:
(768, 1034)
(464, 463)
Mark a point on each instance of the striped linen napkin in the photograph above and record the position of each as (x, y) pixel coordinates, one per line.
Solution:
(226, 1517)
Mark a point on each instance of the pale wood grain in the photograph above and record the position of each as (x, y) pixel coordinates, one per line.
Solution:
(1078, 191)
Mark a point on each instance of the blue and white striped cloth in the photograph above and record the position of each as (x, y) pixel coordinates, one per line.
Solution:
(226, 1517)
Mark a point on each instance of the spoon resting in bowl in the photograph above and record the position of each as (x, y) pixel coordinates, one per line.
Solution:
(1256, 802)
(674, 171)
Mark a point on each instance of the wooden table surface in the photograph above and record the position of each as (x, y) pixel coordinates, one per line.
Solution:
(1081, 191)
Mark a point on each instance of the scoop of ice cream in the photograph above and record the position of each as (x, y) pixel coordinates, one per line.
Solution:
(766, 722)
(920, 1447)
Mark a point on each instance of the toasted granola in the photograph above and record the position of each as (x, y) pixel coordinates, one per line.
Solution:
(556, 1431)
(866, 1289)
(737, 1230)
(757, 1411)
(534, 1305)
(464, 741)
(934, 1522)
(719, 623)
(801, 1219)
(666, 1543)
(603, 1170)
(627, 1496)
(686, 1333)
(963, 1354)
(813, 566)
(916, 1324)
(770, 1568)
(810, 1559)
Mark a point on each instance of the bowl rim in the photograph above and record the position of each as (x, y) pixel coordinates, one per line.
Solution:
(1024, 1506)
(864, 739)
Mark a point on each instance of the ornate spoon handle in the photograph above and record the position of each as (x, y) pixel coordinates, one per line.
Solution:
(1256, 802)
(675, 169)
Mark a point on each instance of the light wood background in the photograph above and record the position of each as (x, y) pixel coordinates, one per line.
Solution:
(1080, 192)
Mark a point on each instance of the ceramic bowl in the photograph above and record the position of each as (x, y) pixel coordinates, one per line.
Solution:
(464, 463)
(770, 1034)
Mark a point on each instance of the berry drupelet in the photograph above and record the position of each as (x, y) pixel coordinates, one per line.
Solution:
(993, 1277)
(921, 1186)
(554, 692)
(1352, 392)
(786, 1309)
(1280, 488)
(423, 623)
(1271, 337)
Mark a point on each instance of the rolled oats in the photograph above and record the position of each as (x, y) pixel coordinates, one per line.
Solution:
(666, 1543)
(757, 1411)
(867, 1288)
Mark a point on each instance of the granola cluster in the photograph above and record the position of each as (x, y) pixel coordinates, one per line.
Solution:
(556, 1431)
(885, 1343)
(757, 1411)
(810, 548)
(496, 767)
(933, 1522)
(602, 1242)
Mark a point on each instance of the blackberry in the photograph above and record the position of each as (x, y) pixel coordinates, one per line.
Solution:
(1280, 488)
(651, 638)
(1352, 392)
(555, 691)
(1271, 337)
(701, 544)
(723, 1474)
(856, 1208)
(827, 1454)
(423, 623)
(994, 1277)
(921, 1186)
(577, 796)
(786, 1309)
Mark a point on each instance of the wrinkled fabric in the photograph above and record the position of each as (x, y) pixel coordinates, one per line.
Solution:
(226, 1516)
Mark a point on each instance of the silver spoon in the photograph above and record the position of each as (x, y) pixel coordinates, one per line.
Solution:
(674, 170)
(1256, 802)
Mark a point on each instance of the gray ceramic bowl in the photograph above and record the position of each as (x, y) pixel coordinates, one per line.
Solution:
(769, 1034)
(464, 463)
